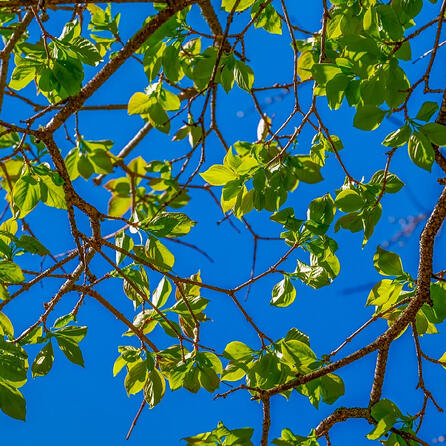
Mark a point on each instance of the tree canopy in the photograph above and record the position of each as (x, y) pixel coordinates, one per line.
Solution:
(129, 217)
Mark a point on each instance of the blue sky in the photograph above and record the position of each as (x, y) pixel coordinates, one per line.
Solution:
(73, 405)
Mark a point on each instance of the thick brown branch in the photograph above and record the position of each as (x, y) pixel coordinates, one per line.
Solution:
(340, 415)
(266, 421)
(380, 371)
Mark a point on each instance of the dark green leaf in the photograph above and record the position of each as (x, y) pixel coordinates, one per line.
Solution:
(387, 263)
(44, 361)
(12, 402)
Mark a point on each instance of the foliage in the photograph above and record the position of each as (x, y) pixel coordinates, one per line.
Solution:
(357, 60)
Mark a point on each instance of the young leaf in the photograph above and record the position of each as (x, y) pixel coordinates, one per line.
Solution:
(243, 75)
(284, 293)
(154, 388)
(218, 175)
(387, 263)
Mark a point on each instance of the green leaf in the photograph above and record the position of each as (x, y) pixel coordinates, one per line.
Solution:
(314, 276)
(306, 170)
(118, 365)
(88, 53)
(372, 91)
(162, 293)
(168, 100)
(348, 200)
(10, 272)
(218, 175)
(294, 333)
(158, 117)
(287, 438)
(304, 65)
(208, 379)
(390, 22)
(31, 245)
(12, 402)
(51, 194)
(196, 303)
(412, 7)
(71, 350)
(136, 377)
(387, 263)
(234, 371)
(101, 161)
(85, 167)
(33, 337)
(370, 217)
(243, 75)
(210, 360)
(13, 364)
(125, 242)
(438, 297)
(158, 254)
(63, 321)
(139, 278)
(382, 427)
(393, 183)
(321, 210)
(6, 327)
(267, 18)
(228, 5)
(426, 111)
(168, 224)
(384, 294)
(332, 388)
(44, 361)
(398, 137)
(386, 413)
(368, 117)
(435, 132)
(397, 84)
(118, 206)
(324, 72)
(283, 293)
(22, 76)
(75, 334)
(297, 353)
(154, 388)
(335, 90)
(421, 151)
(171, 63)
(238, 351)
(139, 104)
(26, 194)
